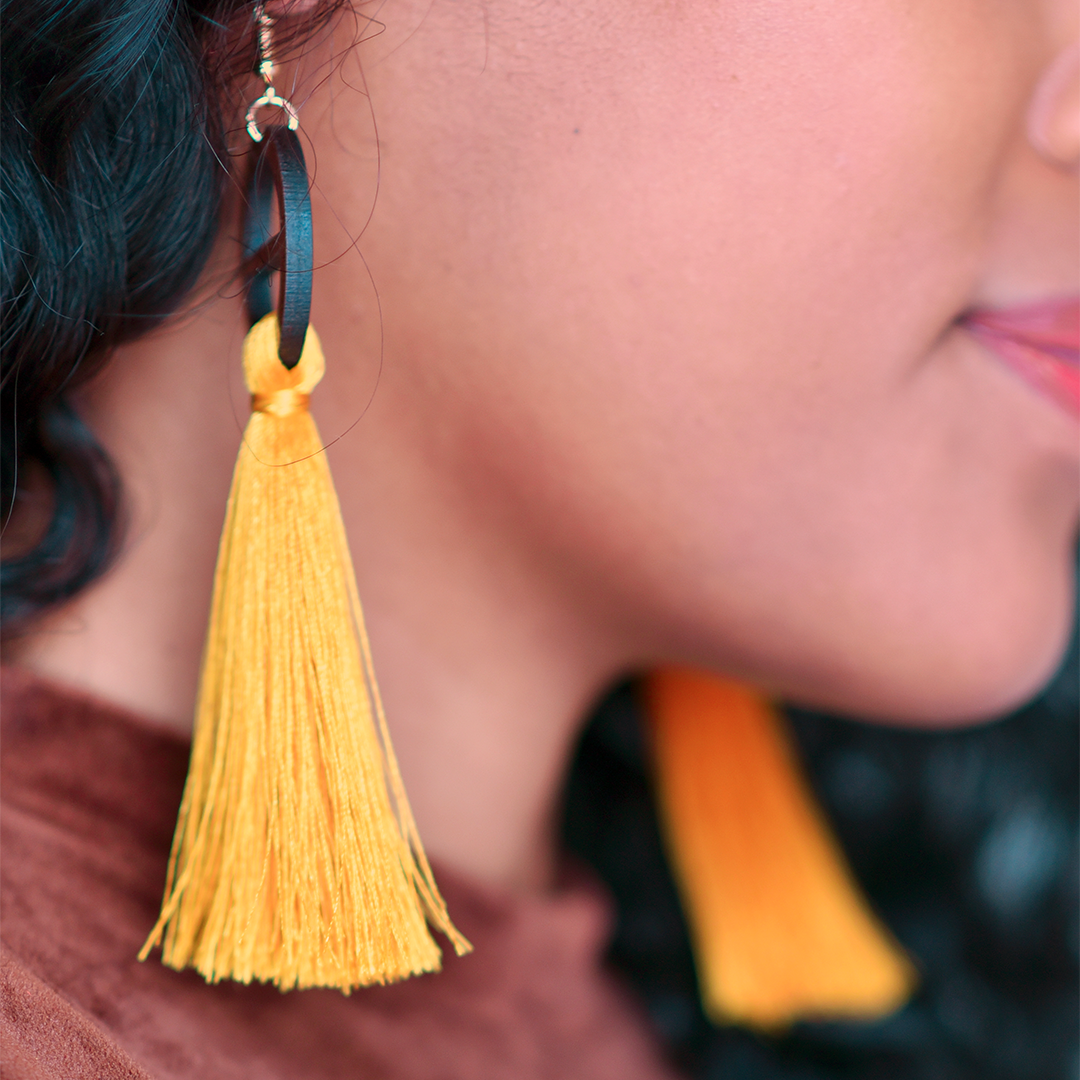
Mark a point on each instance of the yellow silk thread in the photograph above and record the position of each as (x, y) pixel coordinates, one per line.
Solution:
(296, 858)
(781, 930)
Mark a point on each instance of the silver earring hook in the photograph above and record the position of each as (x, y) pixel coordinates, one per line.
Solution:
(265, 30)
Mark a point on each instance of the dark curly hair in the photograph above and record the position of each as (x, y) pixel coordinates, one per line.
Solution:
(113, 174)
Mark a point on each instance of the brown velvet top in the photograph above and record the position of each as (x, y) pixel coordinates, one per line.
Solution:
(89, 798)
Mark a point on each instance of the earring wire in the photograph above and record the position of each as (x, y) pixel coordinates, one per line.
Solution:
(265, 31)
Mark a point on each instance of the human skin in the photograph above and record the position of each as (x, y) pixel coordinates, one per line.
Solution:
(641, 332)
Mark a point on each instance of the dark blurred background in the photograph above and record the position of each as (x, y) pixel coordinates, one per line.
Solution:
(966, 843)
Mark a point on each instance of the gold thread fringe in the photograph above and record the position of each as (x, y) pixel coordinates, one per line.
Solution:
(296, 859)
(781, 930)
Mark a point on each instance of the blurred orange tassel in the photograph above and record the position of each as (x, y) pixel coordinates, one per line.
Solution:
(781, 930)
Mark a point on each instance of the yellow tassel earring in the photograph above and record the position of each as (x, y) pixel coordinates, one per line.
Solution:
(296, 859)
(781, 931)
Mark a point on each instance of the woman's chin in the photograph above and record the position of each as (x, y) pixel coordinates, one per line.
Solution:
(968, 672)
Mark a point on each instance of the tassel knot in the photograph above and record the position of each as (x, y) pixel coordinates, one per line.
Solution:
(281, 403)
(264, 372)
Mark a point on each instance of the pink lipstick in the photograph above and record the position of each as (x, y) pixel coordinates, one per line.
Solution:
(1040, 342)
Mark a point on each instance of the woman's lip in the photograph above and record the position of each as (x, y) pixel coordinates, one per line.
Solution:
(1040, 342)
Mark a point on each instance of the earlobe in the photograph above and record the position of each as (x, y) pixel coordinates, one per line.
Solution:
(284, 9)
(1053, 119)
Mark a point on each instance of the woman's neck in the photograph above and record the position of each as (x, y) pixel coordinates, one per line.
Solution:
(485, 662)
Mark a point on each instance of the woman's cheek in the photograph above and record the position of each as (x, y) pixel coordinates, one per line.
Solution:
(702, 361)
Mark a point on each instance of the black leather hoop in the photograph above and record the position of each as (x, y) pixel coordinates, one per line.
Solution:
(279, 166)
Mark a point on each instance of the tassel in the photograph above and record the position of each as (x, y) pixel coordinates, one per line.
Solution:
(780, 928)
(296, 859)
